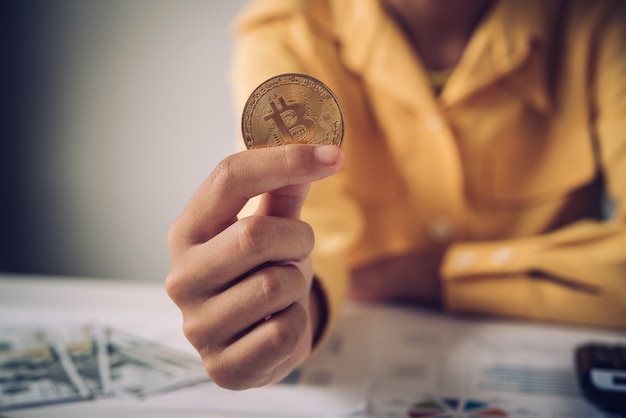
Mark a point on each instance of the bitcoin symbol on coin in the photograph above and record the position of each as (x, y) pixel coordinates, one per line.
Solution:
(290, 120)
(291, 108)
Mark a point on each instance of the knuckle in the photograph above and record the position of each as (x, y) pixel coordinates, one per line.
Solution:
(271, 284)
(285, 337)
(198, 333)
(275, 239)
(172, 235)
(176, 239)
(280, 282)
(223, 176)
(227, 381)
(227, 375)
(251, 234)
(302, 240)
(174, 286)
(289, 157)
(224, 377)
(309, 237)
(286, 334)
(192, 332)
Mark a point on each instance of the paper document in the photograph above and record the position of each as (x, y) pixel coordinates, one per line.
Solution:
(380, 361)
(442, 367)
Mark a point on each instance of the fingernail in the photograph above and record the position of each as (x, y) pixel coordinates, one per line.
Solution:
(326, 154)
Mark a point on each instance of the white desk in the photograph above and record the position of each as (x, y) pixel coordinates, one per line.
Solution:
(409, 356)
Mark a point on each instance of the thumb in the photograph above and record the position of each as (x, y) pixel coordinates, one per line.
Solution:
(287, 201)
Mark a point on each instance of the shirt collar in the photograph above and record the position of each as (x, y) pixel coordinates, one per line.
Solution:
(373, 47)
(509, 42)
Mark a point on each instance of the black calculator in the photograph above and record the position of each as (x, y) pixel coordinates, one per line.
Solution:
(601, 370)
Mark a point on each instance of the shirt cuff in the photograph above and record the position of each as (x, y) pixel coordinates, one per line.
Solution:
(331, 285)
(490, 277)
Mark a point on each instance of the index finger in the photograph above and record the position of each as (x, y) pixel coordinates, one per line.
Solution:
(239, 177)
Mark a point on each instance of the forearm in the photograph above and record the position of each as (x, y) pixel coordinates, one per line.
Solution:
(577, 274)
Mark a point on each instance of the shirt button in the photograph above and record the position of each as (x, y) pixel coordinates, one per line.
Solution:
(434, 123)
(440, 229)
(502, 256)
(464, 260)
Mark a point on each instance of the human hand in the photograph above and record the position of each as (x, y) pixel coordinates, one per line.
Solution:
(244, 285)
(411, 277)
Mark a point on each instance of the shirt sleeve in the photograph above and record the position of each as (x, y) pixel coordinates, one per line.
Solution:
(576, 274)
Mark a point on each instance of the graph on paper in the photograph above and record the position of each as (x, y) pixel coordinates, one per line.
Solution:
(454, 408)
(526, 380)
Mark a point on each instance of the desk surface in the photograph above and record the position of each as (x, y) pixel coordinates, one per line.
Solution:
(396, 360)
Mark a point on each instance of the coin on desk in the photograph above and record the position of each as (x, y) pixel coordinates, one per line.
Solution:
(292, 109)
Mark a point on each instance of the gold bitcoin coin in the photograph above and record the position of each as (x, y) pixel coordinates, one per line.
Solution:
(289, 109)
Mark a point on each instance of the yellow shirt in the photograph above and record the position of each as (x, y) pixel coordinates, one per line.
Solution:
(505, 168)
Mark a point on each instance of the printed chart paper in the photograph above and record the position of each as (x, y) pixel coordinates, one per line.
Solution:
(443, 367)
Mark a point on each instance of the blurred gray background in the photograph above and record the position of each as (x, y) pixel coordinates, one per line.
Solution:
(117, 110)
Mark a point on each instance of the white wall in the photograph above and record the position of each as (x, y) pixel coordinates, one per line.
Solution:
(134, 112)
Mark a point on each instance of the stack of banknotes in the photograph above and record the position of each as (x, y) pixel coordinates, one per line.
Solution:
(41, 366)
